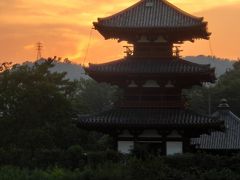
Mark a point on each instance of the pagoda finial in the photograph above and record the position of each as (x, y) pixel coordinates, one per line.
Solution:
(223, 105)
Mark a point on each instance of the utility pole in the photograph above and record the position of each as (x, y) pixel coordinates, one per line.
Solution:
(209, 103)
(39, 50)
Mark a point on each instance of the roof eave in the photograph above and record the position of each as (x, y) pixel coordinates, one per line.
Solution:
(192, 32)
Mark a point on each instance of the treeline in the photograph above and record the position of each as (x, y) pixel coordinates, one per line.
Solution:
(40, 139)
(38, 114)
(179, 167)
(206, 99)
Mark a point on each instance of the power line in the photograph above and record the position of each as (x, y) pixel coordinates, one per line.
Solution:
(212, 54)
(208, 85)
(88, 45)
(39, 50)
(210, 47)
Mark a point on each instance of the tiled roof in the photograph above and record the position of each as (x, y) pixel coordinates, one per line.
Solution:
(228, 140)
(151, 14)
(148, 66)
(148, 118)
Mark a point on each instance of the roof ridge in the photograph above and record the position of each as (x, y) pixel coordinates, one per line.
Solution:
(142, 1)
(156, 16)
(180, 10)
(122, 11)
(234, 116)
(164, 1)
(199, 114)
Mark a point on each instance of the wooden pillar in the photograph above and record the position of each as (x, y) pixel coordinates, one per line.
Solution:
(186, 144)
(114, 134)
(164, 135)
(164, 145)
(115, 143)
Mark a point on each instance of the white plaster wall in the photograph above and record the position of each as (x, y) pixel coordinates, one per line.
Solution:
(125, 147)
(150, 133)
(174, 148)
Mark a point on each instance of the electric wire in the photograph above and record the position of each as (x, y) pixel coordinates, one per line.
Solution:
(88, 46)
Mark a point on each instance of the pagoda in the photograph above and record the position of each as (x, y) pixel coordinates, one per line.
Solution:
(227, 142)
(153, 111)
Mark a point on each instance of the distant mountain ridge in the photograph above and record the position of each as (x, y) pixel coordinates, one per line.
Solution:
(221, 65)
(76, 71)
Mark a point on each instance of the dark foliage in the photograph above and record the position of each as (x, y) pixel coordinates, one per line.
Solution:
(37, 110)
(207, 99)
(39, 137)
(179, 167)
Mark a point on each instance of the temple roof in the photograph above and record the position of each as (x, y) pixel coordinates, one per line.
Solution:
(228, 140)
(151, 66)
(152, 14)
(148, 118)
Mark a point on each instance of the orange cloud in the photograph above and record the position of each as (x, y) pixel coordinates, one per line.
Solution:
(223, 23)
(64, 25)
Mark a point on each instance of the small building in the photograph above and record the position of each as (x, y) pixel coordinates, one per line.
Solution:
(153, 111)
(221, 142)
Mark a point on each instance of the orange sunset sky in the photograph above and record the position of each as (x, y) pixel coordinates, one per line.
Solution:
(63, 26)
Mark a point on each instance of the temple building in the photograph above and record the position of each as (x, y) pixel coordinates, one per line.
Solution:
(226, 142)
(153, 111)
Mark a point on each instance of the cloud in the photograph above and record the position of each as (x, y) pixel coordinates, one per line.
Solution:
(223, 23)
(63, 26)
(30, 46)
(198, 6)
(58, 39)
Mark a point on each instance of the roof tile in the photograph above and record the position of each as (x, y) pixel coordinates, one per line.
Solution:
(161, 14)
(134, 117)
(145, 66)
(228, 140)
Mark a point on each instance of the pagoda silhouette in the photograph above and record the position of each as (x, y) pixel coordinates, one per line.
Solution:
(153, 111)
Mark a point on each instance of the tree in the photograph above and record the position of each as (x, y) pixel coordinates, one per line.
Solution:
(227, 86)
(36, 113)
(5, 66)
(92, 97)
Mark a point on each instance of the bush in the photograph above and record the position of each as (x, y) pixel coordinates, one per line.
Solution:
(75, 157)
(110, 165)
